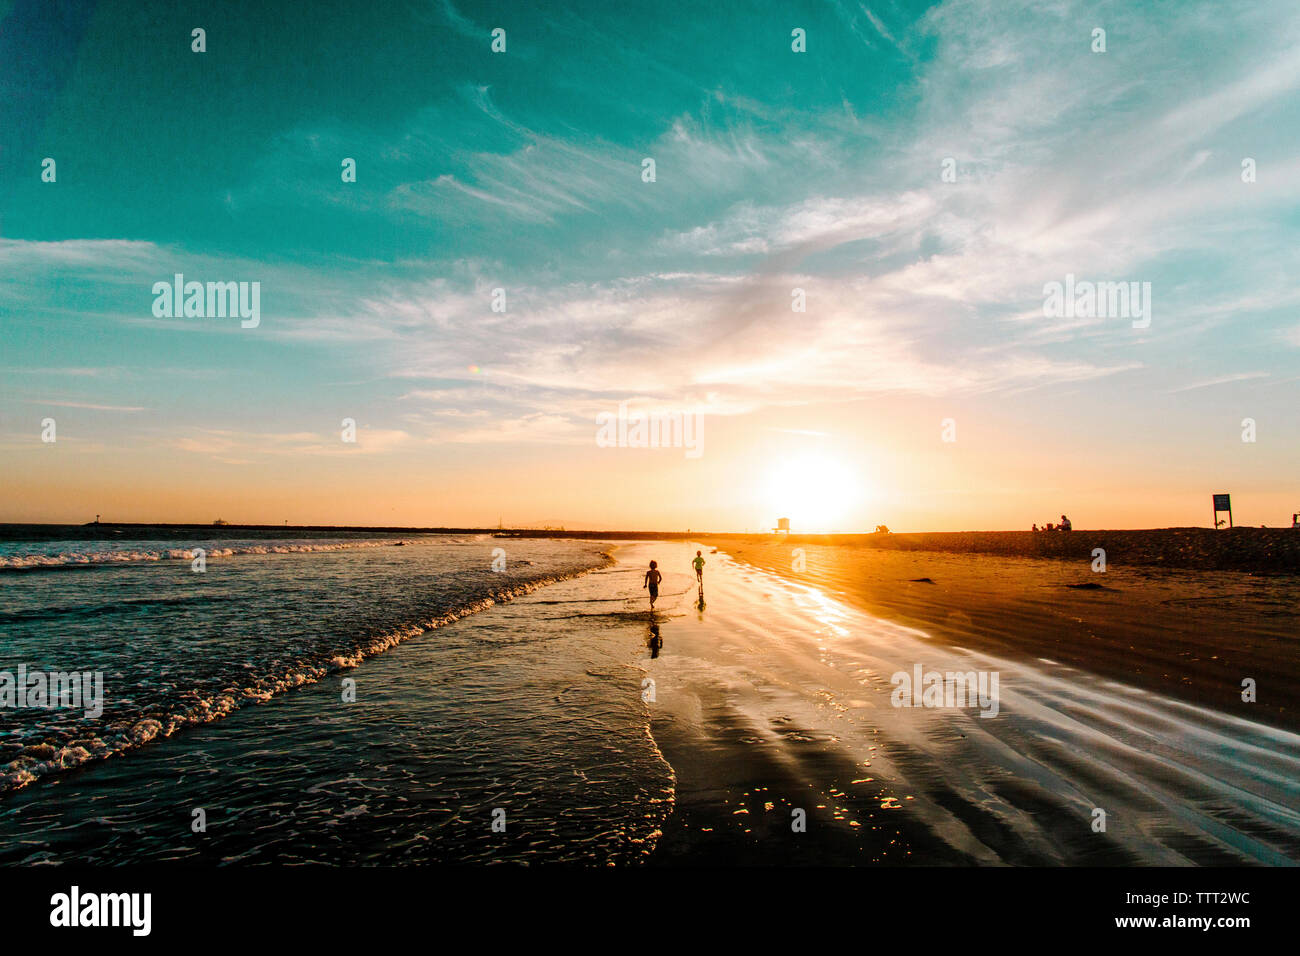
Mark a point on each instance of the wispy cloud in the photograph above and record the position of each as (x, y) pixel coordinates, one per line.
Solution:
(1221, 380)
(88, 405)
(235, 446)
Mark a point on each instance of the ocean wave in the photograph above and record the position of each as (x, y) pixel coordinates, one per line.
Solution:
(42, 758)
(20, 562)
(86, 611)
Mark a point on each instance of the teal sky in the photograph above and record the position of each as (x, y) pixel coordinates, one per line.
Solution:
(775, 170)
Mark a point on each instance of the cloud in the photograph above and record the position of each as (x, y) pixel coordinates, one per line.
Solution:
(91, 406)
(680, 291)
(95, 257)
(1221, 380)
(249, 446)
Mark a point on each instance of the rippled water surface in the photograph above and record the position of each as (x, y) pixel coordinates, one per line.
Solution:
(176, 647)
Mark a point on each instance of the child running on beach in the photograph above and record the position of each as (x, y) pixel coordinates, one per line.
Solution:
(652, 579)
(698, 564)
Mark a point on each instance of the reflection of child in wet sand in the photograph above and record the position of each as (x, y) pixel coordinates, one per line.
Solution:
(652, 579)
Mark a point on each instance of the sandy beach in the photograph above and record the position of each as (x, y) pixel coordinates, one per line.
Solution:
(1265, 551)
(776, 697)
(1190, 634)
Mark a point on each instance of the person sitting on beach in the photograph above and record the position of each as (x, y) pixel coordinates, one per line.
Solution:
(698, 564)
(652, 579)
(1035, 527)
(1065, 523)
(1050, 527)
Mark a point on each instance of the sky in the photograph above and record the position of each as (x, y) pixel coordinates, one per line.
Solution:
(921, 171)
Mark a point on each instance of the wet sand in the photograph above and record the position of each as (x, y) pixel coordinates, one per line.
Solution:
(777, 696)
(1193, 635)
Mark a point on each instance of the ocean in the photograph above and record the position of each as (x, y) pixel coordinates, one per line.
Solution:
(441, 752)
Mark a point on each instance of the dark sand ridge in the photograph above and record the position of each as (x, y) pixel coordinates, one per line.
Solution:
(1192, 635)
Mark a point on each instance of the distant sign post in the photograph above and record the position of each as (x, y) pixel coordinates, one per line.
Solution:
(1222, 503)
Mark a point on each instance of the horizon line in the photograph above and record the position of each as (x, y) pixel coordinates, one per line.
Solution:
(439, 529)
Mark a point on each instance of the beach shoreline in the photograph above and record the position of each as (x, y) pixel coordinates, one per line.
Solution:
(777, 697)
(1194, 635)
(1251, 550)
(753, 724)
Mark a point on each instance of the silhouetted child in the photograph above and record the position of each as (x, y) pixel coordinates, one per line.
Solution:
(652, 579)
(698, 564)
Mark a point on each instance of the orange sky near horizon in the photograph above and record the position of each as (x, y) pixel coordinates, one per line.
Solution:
(849, 474)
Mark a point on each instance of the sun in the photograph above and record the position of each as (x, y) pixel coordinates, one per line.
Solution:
(816, 492)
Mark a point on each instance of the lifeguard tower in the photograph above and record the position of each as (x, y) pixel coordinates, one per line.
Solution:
(782, 525)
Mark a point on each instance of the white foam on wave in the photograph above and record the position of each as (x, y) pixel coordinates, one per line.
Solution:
(133, 555)
(40, 759)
